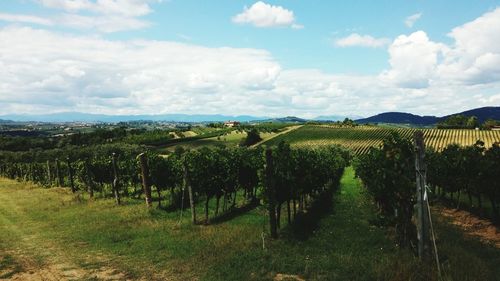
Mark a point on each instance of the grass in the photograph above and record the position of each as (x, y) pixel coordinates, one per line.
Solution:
(40, 225)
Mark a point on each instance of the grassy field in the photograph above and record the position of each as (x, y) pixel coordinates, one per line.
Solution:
(360, 139)
(51, 232)
(231, 139)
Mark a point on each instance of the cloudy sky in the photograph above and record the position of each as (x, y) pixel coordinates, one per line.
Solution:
(296, 57)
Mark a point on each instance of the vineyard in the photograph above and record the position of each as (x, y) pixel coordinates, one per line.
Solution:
(286, 176)
(359, 139)
(204, 211)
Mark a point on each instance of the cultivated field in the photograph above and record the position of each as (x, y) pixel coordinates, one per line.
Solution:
(360, 139)
(230, 139)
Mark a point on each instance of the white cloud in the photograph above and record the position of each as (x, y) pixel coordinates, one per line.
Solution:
(106, 24)
(18, 18)
(261, 14)
(473, 58)
(413, 60)
(126, 8)
(411, 20)
(68, 5)
(87, 73)
(356, 40)
(43, 71)
(474, 55)
(101, 15)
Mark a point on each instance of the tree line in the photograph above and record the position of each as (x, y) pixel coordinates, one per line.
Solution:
(460, 121)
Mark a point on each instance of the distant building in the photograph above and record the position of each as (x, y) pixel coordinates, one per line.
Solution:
(231, 123)
(495, 128)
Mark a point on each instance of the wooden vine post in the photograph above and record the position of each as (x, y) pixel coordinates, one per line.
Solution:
(32, 172)
(422, 214)
(271, 193)
(70, 172)
(145, 178)
(115, 179)
(90, 183)
(49, 175)
(58, 173)
(24, 172)
(186, 183)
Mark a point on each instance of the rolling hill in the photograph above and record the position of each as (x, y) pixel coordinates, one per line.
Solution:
(482, 114)
(400, 118)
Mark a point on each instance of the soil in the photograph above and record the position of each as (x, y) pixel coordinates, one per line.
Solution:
(287, 277)
(472, 225)
(26, 270)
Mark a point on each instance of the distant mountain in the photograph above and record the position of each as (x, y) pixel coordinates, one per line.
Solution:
(288, 119)
(482, 114)
(2, 121)
(400, 118)
(86, 117)
(336, 117)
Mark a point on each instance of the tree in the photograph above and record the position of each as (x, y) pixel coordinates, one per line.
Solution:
(253, 137)
(472, 122)
(459, 121)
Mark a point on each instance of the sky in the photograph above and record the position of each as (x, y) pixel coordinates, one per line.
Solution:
(305, 58)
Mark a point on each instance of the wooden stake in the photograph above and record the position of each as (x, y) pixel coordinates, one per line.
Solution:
(49, 175)
(270, 193)
(424, 249)
(70, 172)
(90, 183)
(187, 184)
(145, 178)
(115, 180)
(58, 173)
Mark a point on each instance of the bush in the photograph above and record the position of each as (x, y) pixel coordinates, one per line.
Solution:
(252, 138)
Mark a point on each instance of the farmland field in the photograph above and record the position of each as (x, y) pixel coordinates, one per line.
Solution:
(230, 139)
(360, 139)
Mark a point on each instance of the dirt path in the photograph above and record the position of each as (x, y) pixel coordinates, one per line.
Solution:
(288, 130)
(25, 255)
(53, 272)
(472, 225)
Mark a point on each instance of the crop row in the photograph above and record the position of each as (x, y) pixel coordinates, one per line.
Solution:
(361, 138)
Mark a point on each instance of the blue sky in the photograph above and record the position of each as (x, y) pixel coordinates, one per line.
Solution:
(293, 57)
